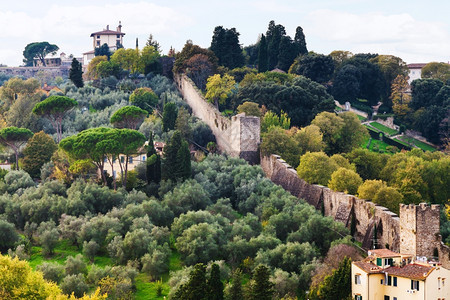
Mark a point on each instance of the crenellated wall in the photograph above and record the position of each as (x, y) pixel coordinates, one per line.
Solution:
(238, 136)
(416, 232)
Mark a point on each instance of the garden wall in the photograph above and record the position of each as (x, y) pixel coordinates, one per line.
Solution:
(238, 136)
(28, 72)
(367, 217)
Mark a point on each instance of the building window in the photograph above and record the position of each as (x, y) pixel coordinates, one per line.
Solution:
(358, 297)
(98, 43)
(395, 281)
(122, 159)
(130, 160)
(388, 262)
(387, 297)
(389, 280)
(357, 279)
(98, 36)
(143, 158)
(379, 262)
(415, 285)
(395, 298)
(118, 36)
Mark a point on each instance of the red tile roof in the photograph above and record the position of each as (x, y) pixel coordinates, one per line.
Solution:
(412, 271)
(107, 32)
(368, 267)
(416, 66)
(383, 253)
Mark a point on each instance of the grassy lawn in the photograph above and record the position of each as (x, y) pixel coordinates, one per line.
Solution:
(374, 145)
(421, 145)
(146, 289)
(384, 129)
(361, 118)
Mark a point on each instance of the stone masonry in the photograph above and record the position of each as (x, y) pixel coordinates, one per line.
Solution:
(238, 136)
(415, 232)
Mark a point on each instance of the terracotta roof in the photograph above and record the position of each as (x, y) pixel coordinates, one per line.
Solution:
(383, 253)
(416, 66)
(48, 88)
(412, 271)
(368, 267)
(107, 32)
(276, 70)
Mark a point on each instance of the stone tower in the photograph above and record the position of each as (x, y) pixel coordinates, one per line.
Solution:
(419, 229)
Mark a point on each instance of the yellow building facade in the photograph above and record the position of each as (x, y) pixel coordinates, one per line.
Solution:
(386, 275)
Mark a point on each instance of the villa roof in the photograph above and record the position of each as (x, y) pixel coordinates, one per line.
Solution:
(416, 66)
(383, 253)
(412, 271)
(107, 32)
(368, 267)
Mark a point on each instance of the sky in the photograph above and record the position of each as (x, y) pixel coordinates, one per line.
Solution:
(416, 31)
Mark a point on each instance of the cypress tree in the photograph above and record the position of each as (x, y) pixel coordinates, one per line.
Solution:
(262, 55)
(177, 158)
(76, 73)
(183, 163)
(273, 38)
(153, 162)
(196, 288)
(215, 284)
(262, 288)
(169, 118)
(300, 41)
(236, 286)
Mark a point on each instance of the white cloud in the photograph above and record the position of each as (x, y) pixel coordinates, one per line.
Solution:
(69, 26)
(398, 34)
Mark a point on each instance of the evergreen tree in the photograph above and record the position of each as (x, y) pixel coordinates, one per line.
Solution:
(236, 286)
(153, 162)
(169, 118)
(287, 54)
(196, 288)
(183, 161)
(261, 287)
(273, 36)
(225, 45)
(338, 285)
(177, 158)
(76, 73)
(215, 284)
(300, 41)
(262, 55)
(103, 50)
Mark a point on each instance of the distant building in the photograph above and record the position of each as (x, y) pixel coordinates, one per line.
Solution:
(415, 71)
(46, 89)
(133, 160)
(387, 275)
(113, 38)
(55, 60)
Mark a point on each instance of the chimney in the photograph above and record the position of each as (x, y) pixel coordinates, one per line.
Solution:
(119, 28)
(107, 27)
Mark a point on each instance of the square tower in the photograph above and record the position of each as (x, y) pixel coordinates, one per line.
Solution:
(419, 229)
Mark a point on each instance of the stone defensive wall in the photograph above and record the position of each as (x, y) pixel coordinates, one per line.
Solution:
(417, 228)
(238, 136)
(28, 72)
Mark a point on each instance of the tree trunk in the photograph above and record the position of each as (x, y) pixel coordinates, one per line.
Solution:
(16, 152)
(124, 183)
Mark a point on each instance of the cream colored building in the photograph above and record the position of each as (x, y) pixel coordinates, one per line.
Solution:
(113, 38)
(386, 275)
(133, 161)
